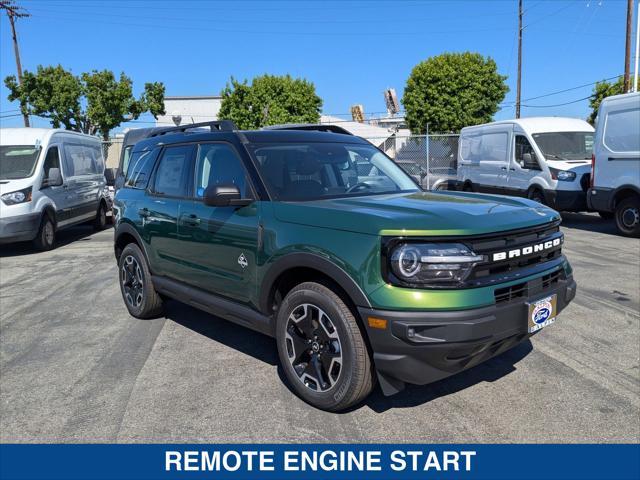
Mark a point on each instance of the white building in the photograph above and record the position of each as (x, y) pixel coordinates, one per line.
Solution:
(189, 109)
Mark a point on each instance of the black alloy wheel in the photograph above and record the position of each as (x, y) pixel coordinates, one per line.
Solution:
(132, 281)
(136, 286)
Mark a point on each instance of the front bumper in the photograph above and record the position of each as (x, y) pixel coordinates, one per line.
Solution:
(423, 347)
(19, 228)
(566, 200)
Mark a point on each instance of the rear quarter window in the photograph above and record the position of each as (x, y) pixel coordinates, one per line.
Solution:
(141, 165)
(621, 130)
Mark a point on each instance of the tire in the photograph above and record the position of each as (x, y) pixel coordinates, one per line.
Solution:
(46, 236)
(136, 286)
(346, 370)
(627, 216)
(606, 215)
(536, 195)
(467, 187)
(100, 222)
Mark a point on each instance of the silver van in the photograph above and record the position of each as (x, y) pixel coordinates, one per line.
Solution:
(50, 179)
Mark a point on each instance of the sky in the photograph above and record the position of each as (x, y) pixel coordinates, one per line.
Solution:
(352, 50)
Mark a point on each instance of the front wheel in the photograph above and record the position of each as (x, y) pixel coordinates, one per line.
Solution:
(46, 236)
(136, 286)
(627, 215)
(100, 223)
(321, 348)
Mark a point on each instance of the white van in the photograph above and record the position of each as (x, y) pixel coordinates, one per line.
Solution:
(615, 176)
(49, 180)
(546, 159)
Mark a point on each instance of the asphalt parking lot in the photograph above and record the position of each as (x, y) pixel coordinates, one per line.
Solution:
(75, 367)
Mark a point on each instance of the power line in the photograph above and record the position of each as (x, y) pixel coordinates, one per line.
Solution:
(558, 104)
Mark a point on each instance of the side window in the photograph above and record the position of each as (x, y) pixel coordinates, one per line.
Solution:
(621, 131)
(487, 147)
(141, 167)
(80, 159)
(126, 156)
(523, 147)
(218, 164)
(52, 160)
(171, 177)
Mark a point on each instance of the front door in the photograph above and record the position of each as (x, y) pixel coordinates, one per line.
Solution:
(520, 175)
(57, 193)
(219, 244)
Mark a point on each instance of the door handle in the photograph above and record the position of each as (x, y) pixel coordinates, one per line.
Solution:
(144, 212)
(191, 220)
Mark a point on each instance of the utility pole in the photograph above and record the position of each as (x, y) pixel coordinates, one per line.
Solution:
(518, 90)
(14, 11)
(627, 47)
(635, 80)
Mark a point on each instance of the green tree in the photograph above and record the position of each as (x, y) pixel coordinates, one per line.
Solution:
(270, 100)
(451, 91)
(94, 102)
(602, 90)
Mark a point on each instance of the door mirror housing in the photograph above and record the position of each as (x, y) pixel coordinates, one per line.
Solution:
(529, 162)
(110, 176)
(53, 179)
(224, 195)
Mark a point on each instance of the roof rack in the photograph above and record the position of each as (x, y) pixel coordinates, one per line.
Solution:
(217, 126)
(310, 126)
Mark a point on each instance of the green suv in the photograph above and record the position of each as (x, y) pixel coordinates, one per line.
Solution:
(318, 239)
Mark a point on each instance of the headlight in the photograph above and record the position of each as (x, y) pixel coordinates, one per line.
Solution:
(432, 264)
(563, 175)
(19, 196)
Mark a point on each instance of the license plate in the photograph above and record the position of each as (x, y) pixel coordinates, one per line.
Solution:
(542, 313)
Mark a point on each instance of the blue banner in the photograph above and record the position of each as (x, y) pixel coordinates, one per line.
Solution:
(325, 461)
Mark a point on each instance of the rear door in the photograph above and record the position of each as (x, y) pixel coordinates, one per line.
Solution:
(170, 184)
(219, 244)
(494, 160)
(81, 182)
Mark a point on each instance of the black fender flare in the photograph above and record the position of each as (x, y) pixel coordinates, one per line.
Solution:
(127, 228)
(316, 262)
(48, 209)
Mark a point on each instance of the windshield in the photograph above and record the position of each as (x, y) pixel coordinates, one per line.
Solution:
(311, 171)
(565, 145)
(17, 161)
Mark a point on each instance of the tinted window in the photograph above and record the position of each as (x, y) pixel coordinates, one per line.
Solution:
(126, 156)
(83, 159)
(621, 131)
(218, 164)
(141, 167)
(171, 177)
(51, 161)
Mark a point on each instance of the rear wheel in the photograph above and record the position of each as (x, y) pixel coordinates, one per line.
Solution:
(627, 215)
(321, 348)
(136, 286)
(46, 237)
(100, 223)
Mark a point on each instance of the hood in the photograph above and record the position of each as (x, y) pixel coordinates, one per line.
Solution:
(7, 186)
(422, 213)
(578, 166)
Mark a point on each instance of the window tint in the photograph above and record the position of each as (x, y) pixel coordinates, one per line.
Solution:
(51, 161)
(141, 166)
(126, 156)
(172, 172)
(621, 131)
(522, 147)
(485, 147)
(218, 164)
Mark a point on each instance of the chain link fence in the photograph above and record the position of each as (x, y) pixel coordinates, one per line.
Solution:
(431, 160)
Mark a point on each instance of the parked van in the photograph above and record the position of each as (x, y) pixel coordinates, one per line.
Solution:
(546, 159)
(615, 176)
(49, 180)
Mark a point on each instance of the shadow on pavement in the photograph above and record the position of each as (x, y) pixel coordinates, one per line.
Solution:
(415, 395)
(263, 348)
(591, 222)
(63, 237)
(239, 338)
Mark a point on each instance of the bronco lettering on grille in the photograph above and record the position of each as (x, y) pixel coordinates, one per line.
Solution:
(528, 250)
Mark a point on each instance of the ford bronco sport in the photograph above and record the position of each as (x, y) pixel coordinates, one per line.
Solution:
(318, 239)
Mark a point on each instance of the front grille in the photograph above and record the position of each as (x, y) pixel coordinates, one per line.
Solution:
(526, 289)
(506, 242)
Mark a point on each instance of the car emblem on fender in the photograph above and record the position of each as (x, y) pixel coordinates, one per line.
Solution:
(242, 261)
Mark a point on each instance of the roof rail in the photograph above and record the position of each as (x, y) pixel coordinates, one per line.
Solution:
(310, 126)
(217, 126)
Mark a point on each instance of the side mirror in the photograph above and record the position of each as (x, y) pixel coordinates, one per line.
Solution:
(529, 162)
(53, 179)
(224, 195)
(110, 176)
